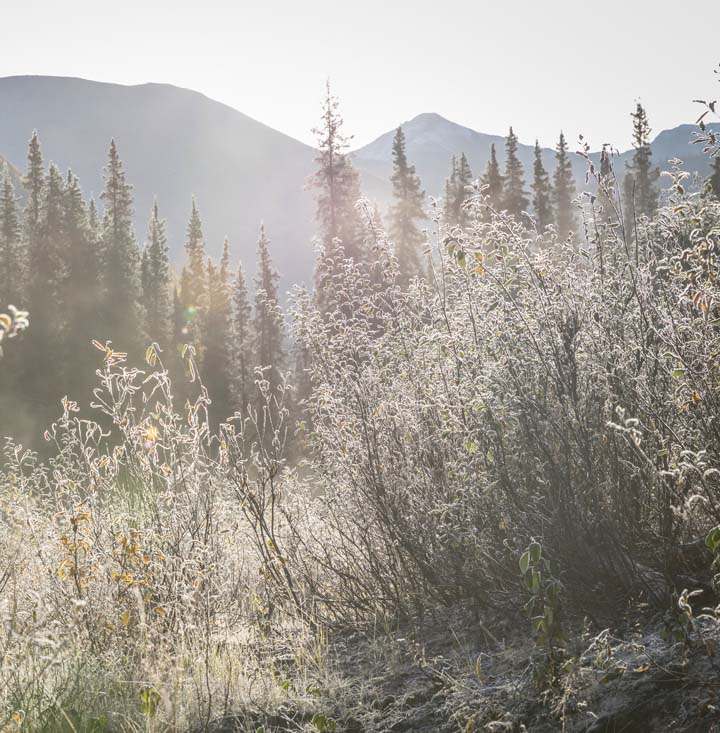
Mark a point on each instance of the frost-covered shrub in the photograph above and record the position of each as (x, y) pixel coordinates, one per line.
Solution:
(529, 388)
(138, 566)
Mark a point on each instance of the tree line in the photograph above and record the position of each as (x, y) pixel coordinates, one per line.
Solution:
(77, 266)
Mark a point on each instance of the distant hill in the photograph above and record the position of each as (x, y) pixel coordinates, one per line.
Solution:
(432, 140)
(174, 143)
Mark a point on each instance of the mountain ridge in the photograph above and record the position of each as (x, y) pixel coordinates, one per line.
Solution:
(177, 143)
(223, 157)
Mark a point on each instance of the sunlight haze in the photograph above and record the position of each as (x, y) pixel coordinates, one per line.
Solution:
(486, 65)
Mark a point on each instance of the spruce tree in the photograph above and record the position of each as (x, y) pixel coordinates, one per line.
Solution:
(155, 277)
(451, 184)
(268, 319)
(44, 300)
(606, 187)
(492, 181)
(243, 359)
(405, 212)
(195, 289)
(542, 192)
(193, 284)
(34, 182)
(217, 367)
(82, 289)
(456, 192)
(644, 175)
(515, 200)
(337, 188)
(124, 325)
(464, 181)
(563, 190)
(11, 250)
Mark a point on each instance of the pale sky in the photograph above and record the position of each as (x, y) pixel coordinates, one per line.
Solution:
(536, 65)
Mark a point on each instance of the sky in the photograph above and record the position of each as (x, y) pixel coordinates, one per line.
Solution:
(538, 65)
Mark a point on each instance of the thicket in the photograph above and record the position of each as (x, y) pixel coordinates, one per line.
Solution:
(532, 425)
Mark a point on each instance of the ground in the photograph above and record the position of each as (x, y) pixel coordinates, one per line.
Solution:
(452, 673)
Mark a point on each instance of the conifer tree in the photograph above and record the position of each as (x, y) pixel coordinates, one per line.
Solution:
(515, 200)
(11, 250)
(124, 326)
(644, 175)
(94, 224)
(606, 185)
(563, 190)
(713, 181)
(464, 181)
(456, 192)
(451, 183)
(337, 187)
(407, 209)
(542, 192)
(493, 181)
(44, 293)
(195, 289)
(34, 182)
(81, 288)
(155, 277)
(268, 320)
(243, 359)
(193, 284)
(217, 334)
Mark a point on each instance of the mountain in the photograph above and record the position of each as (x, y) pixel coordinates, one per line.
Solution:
(432, 140)
(174, 143)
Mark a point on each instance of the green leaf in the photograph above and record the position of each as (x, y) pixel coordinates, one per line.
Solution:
(535, 587)
(524, 562)
(150, 699)
(712, 541)
(322, 723)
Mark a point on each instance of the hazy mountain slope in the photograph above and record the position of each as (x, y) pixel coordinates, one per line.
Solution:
(15, 175)
(174, 143)
(432, 140)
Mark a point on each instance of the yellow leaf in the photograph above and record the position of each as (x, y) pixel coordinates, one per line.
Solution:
(125, 618)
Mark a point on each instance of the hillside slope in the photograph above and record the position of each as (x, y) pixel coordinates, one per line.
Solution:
(174, 143)
(432, 140)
